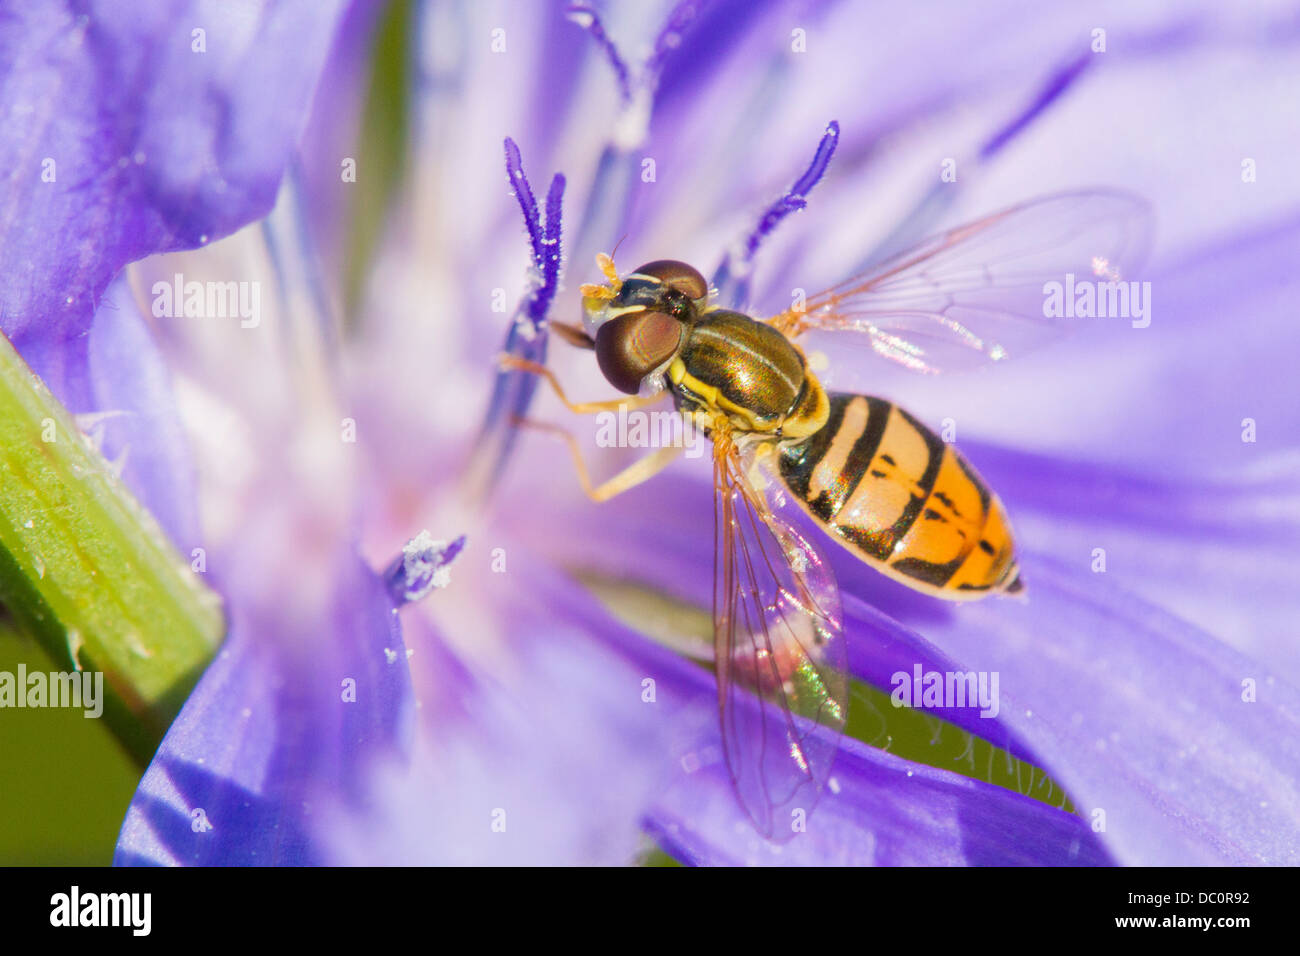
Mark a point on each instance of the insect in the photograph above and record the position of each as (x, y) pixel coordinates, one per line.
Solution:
(875, 479)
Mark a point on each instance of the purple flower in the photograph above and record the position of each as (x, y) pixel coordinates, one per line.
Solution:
(528, 711)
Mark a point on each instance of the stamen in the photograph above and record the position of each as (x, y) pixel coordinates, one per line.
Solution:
(545, 237)
(607, 203)
(587, 18)
(424, 565)
(524, 193)
(927, 211)
(636, 85)
(670, 37)
(1057, 84)
(731, 279)
(550, 264)
(513, 391)
(796, 197)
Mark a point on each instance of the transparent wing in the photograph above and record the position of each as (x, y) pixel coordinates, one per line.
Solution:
(979, 293)
(779, 653)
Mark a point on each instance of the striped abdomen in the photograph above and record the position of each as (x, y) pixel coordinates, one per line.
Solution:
(893, 492)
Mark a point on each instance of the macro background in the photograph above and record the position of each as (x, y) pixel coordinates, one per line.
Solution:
(386, 295)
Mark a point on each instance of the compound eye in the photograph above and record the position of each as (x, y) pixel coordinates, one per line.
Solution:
(632, 346)
(677, 276)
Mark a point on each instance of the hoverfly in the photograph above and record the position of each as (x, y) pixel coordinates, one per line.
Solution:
(877, 481)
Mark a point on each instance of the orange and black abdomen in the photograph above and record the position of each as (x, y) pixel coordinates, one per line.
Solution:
(892, 491)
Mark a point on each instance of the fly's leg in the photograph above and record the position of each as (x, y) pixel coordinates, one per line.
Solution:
(580, 408)
(634, 474)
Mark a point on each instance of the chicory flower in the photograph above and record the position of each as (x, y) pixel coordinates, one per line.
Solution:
(1157, 691)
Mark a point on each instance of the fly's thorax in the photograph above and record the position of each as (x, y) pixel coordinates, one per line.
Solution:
(748, 370)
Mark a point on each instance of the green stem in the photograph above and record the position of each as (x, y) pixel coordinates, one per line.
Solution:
(86, 570)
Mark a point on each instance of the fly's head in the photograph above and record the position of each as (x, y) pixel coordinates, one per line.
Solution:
(639, 323)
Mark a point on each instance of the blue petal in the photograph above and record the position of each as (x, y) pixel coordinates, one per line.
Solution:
(1185, 750)
(887, 810)
(1218, 551)
(123, 139)
(1134, 712)
(536, 746)
(284, 723)
(130, 389)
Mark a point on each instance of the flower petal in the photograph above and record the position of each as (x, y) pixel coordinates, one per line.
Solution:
(1184, 749)
(1218, 551)
(133, 409)
(1082, 666)
(280, 725)
(537, 750)
(131, 131)
(887, 812)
